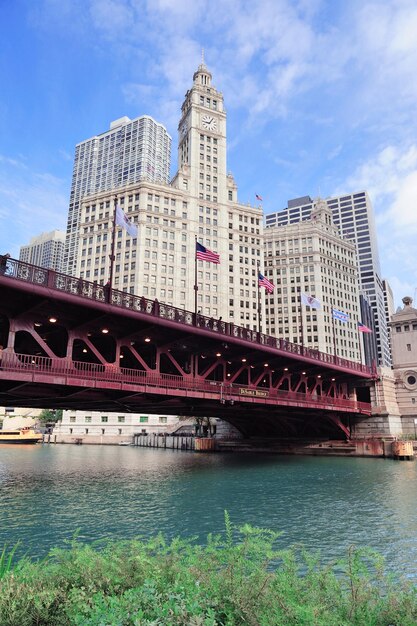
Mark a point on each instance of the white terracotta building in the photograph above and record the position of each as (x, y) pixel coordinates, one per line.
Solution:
(107, 427)
(311, 257)
(200, 202)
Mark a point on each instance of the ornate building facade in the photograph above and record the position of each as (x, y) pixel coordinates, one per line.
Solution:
(311, 257)
(403, 327)
(199, 204)
(353, 214)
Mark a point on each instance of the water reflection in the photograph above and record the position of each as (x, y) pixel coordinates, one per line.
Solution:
(48, 492)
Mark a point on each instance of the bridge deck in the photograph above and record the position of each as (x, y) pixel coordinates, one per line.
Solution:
(71, 345)
(75, 384)
(77, 303)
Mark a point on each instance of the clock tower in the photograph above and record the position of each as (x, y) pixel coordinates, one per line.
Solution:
(212, 213)
(202, 139)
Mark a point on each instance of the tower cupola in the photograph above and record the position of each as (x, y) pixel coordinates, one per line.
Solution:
(202, 76)
(322, 212)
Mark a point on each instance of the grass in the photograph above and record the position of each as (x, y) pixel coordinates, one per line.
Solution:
(236, 579)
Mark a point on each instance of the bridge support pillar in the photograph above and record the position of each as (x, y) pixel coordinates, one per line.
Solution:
(385, 425)
(385, 420)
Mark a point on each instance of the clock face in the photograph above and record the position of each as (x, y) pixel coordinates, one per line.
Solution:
(209, 122)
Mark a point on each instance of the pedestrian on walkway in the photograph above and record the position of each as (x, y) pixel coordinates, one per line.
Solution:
(107, 290)
(3, 262)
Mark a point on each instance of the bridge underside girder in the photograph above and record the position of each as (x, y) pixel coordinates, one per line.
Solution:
(260, 420)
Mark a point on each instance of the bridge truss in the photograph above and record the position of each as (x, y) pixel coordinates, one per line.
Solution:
(69, 344)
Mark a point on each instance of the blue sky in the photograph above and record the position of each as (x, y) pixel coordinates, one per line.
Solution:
(321, 96)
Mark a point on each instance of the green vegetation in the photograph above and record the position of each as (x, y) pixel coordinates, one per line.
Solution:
(238, 579)
(50, 415)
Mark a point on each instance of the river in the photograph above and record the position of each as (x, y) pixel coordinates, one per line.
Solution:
(50, 492)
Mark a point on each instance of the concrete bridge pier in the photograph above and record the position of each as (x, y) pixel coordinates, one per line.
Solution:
(385, 420)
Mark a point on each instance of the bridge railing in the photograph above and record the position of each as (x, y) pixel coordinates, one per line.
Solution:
(35, 275)
(226, 392)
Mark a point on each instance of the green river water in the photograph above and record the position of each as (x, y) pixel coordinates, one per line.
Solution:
(50, 492)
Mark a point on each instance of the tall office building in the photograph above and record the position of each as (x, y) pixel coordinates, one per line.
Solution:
(388, 300)
(389, 308)
(353, 214)
(200, 202)
(131, 151)
(311, 258)
(46, 250)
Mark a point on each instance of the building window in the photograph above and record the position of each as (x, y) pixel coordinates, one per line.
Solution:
(88, 419)
(409, 347)
(72, 419)
(121, 419)
(162, 420)
(143, 419)
(103, 430)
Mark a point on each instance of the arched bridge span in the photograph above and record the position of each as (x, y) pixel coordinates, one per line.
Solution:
(69, 344)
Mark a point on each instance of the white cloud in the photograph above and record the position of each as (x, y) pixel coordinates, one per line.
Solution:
(111, 16)
(401, 288)
(30, 203)
(10, 161)
(266, 54)
(390, 177)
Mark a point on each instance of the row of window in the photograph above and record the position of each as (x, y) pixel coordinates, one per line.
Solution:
(405, 328)
(143, 419)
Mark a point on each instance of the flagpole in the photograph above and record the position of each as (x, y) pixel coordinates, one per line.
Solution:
(259, 300)
(113, 245)
(301, 321)
(360, 347)
(195, 281)
(334, 333)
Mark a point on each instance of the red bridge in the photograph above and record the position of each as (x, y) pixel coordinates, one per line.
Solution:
(70, 344)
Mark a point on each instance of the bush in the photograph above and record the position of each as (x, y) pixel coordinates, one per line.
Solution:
(238, 579)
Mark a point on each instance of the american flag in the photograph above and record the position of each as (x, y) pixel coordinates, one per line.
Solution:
(264, 282)
(364, 329)
(204, 254)
(259, 198)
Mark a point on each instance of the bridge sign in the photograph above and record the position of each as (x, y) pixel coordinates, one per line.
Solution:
(256, 393)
